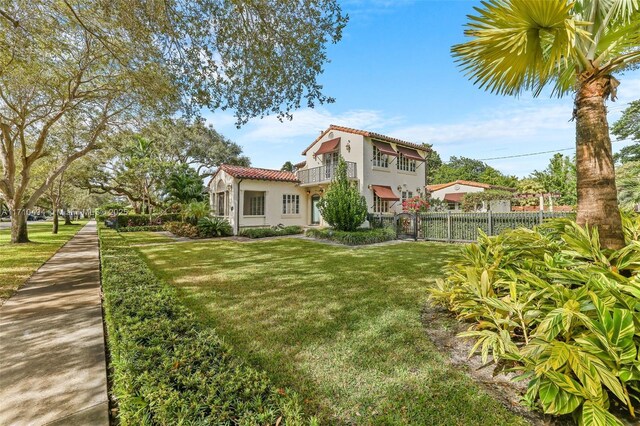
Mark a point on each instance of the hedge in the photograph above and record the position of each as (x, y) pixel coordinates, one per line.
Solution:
(148, 228)
(166, 367)
(270, 232)
(354, 238)
(125, 220)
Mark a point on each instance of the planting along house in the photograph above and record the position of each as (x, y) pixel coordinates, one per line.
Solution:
(452, 194)
(386, 170)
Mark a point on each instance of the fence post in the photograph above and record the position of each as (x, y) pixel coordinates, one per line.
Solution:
(449, 225)
(490, 223)
(541, 214)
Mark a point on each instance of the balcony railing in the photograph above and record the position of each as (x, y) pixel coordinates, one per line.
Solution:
(324, 174)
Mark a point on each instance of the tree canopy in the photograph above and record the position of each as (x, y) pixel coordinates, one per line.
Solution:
(469, 169)
(98, 67)
(628, 127)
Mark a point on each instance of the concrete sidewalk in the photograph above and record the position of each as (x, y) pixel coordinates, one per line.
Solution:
(52, 356)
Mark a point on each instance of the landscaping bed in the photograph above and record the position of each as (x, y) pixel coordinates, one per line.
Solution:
(353, 238)
(270, 232)
(166, 368)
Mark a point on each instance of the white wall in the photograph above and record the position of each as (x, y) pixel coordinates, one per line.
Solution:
(273, 204)
(359, 149)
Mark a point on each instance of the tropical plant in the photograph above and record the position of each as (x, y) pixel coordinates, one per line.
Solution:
(342, 206)
(473, 200)
(519, 45)
(555, 307)
(214, 227)
(195, 211)
(184, 185)
(560, 178)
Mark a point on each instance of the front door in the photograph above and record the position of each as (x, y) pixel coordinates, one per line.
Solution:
(315, 211)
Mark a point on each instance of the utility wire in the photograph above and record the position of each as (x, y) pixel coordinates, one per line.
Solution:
(531, 153)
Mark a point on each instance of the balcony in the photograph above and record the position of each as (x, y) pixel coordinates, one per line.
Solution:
(324, 174)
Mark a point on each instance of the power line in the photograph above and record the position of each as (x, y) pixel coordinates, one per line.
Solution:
(531, 153)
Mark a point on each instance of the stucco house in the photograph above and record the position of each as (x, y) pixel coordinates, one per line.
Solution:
(386, 170)
(452, 194)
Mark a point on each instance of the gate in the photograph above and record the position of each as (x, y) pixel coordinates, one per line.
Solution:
(406, 226)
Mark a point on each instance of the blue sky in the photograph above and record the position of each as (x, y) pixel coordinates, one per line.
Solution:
(392, 73)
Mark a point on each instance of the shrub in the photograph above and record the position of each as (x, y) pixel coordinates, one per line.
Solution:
(354, 238)
(271, 232)
(144, 219)
(214, 227)
(554, 307)
(342, 206)
(182, 229)
(166, 367)
(148, 228)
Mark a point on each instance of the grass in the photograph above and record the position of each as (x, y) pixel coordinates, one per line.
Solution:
(19, 261)
(340, 326)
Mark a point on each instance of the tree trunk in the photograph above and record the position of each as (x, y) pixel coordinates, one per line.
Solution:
(56, 221)
(597, 194)
(19, 232)
(67, 218)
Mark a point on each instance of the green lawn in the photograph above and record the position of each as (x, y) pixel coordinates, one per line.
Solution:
(19, 261)
(341, 326)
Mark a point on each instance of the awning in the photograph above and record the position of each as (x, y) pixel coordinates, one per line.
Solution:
(385, 148)
(385, 193)
(454, 197)
(410, 153)
(328, 146)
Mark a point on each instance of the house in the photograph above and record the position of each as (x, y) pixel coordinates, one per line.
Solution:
(386, 170)
(452, 194)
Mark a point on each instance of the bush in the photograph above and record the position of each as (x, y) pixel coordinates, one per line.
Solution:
(271, 232)
(354, 238)
(182, 229)
(561, 312)
(214, 227)
(342, 206)
(144, 220)
(166, 367)
(149, 228)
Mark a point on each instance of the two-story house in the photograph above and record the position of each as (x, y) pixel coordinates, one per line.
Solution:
(386, 170)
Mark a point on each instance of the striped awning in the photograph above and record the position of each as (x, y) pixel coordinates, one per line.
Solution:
(410, 153)
(385, 148)
(385, 193)
(328, 146)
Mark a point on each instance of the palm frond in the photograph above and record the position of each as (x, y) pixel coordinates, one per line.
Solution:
(521, 45)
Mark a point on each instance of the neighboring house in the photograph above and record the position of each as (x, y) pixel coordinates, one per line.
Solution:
(386, 170)
(452, 194)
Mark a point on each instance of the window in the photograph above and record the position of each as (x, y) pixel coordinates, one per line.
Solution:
(405, 195)
(290, 204)
(380, 159)
(380, 205)
(330, 163)
(253, 203)
(406, 164)
(221, 204)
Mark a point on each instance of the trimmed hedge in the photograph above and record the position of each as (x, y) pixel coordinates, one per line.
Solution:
(149, 228)
(125, 220)
(270, 232)
(353, 238)
(168, 368)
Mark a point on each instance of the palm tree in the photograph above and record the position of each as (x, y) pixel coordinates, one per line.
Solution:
(573, 46)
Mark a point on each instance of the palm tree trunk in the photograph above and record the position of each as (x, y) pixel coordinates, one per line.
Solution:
(597, 195)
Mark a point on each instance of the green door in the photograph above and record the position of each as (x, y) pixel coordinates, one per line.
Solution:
(315, 211)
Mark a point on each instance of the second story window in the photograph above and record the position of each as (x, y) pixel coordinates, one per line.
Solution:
(406, 164)
(380, 159)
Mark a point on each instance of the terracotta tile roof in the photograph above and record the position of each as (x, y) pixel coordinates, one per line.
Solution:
(300, 164)
(255, 173)
(436, 187)
(367, 134)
